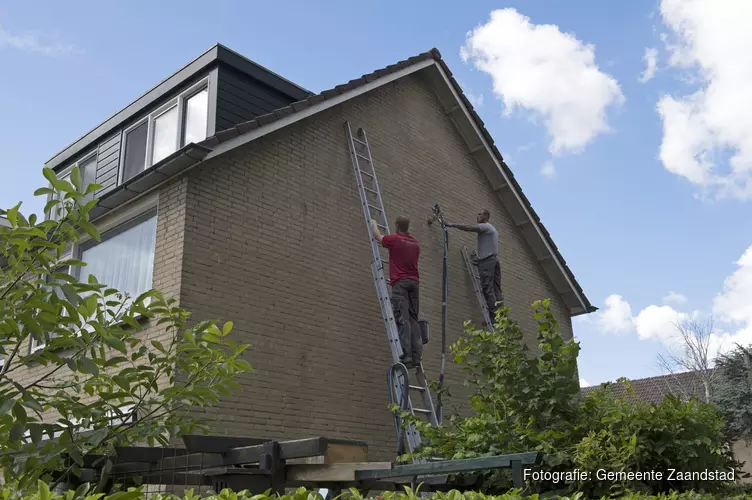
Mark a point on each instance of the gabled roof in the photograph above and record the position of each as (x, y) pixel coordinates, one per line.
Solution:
(655, 389)
(457, 107)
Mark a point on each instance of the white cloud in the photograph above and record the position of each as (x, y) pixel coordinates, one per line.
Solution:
(675, 298)
(584, 383)
(548, 171)
(616, 317)
(731, 310)
(551, 74)
(32, 42)
(706, 135)
(651, 64)
(659, 322)
(734, 303)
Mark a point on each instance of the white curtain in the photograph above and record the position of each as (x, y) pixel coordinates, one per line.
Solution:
(125, 261)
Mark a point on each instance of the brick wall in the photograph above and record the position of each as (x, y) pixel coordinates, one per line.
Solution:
(275, 240)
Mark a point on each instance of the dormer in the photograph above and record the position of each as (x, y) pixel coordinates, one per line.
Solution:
(216, 91)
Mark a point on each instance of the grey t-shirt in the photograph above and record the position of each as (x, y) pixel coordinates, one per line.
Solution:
(488, 241)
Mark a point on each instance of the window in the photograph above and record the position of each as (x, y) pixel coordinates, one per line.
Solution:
(165, 138)
(196, 115)
(178, 122)
(87, 167)
(135, 150)
(123, 260)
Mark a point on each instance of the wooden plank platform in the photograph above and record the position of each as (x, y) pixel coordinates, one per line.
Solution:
(451, 466)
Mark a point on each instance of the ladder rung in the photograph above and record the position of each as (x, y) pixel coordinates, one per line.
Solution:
(363, 157)
(422, 410)
(375, 208)
(417, 388)
(369, 174)
(370, 190)
(358, 141)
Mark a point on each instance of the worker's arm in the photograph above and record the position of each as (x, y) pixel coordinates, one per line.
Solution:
(376, 233)
(462, 227)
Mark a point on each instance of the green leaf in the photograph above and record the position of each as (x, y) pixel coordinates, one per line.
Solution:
(7, 406)
(98, 436)
(227, 328)
(43, 191)
(90, 229)
(122, 382)
(75, 178)
(87, 366)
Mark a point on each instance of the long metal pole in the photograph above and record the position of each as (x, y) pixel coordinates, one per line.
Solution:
(437, 215)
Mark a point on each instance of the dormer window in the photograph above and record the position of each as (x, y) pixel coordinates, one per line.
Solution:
(178, 122)
(87, 167)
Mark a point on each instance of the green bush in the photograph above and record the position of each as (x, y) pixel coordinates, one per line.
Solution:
(83, 493)
(524, 401)
(94, 381)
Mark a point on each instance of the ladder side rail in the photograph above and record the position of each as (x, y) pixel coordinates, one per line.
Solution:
(471, 268)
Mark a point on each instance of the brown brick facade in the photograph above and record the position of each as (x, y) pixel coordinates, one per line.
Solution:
(275, 241)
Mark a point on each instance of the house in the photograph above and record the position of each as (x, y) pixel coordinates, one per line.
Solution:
(686, 385)
(231, 188)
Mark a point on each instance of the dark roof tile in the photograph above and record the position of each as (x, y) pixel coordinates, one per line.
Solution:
(655, 389)
(266, 119)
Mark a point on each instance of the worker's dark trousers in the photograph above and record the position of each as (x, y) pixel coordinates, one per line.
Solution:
(405, 304)
(490, 282)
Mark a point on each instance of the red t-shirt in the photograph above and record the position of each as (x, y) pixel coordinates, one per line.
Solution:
(404, 251)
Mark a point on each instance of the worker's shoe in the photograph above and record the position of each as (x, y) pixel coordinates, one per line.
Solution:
(407, 361)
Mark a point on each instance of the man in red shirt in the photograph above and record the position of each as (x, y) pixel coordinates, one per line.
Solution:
(404, 251)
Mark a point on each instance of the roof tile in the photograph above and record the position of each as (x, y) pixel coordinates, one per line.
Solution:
(655, 389)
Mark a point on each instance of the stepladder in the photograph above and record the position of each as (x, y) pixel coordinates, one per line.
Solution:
(470, 258)
(401, 390)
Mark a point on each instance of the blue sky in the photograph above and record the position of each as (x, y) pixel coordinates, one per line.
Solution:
(634, 220)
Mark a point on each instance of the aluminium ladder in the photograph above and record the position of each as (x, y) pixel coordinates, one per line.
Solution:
(373, 209)
(472, 269)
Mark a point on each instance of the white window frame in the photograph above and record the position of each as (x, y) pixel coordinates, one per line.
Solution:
(66, 173)
(180, 102)
(110, 228)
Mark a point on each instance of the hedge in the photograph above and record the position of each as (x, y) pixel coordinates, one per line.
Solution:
(44, 493)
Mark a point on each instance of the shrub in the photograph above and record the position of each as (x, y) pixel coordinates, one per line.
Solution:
(95, 370)
(525, 401)
(43, 493)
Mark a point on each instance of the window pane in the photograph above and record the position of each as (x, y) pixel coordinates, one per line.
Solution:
(165, 134)
(196, 111)
(125, 261)
(88, 170)
(135, 151)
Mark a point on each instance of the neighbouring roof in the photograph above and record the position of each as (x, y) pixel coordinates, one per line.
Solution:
(461, 111)
(215, 55)
(655, 389)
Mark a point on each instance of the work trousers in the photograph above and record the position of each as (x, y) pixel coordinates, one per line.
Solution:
(406, 304)
(490, 282)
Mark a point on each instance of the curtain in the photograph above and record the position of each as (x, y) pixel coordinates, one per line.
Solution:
(125, 261)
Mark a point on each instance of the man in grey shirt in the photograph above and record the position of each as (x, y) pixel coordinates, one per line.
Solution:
(488, 260)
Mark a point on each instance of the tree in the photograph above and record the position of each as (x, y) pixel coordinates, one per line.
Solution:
(734, 392)
(693, 354)
(95, 382)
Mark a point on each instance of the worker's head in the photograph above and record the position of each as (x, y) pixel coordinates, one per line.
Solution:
(402, 224)
(483, 216)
